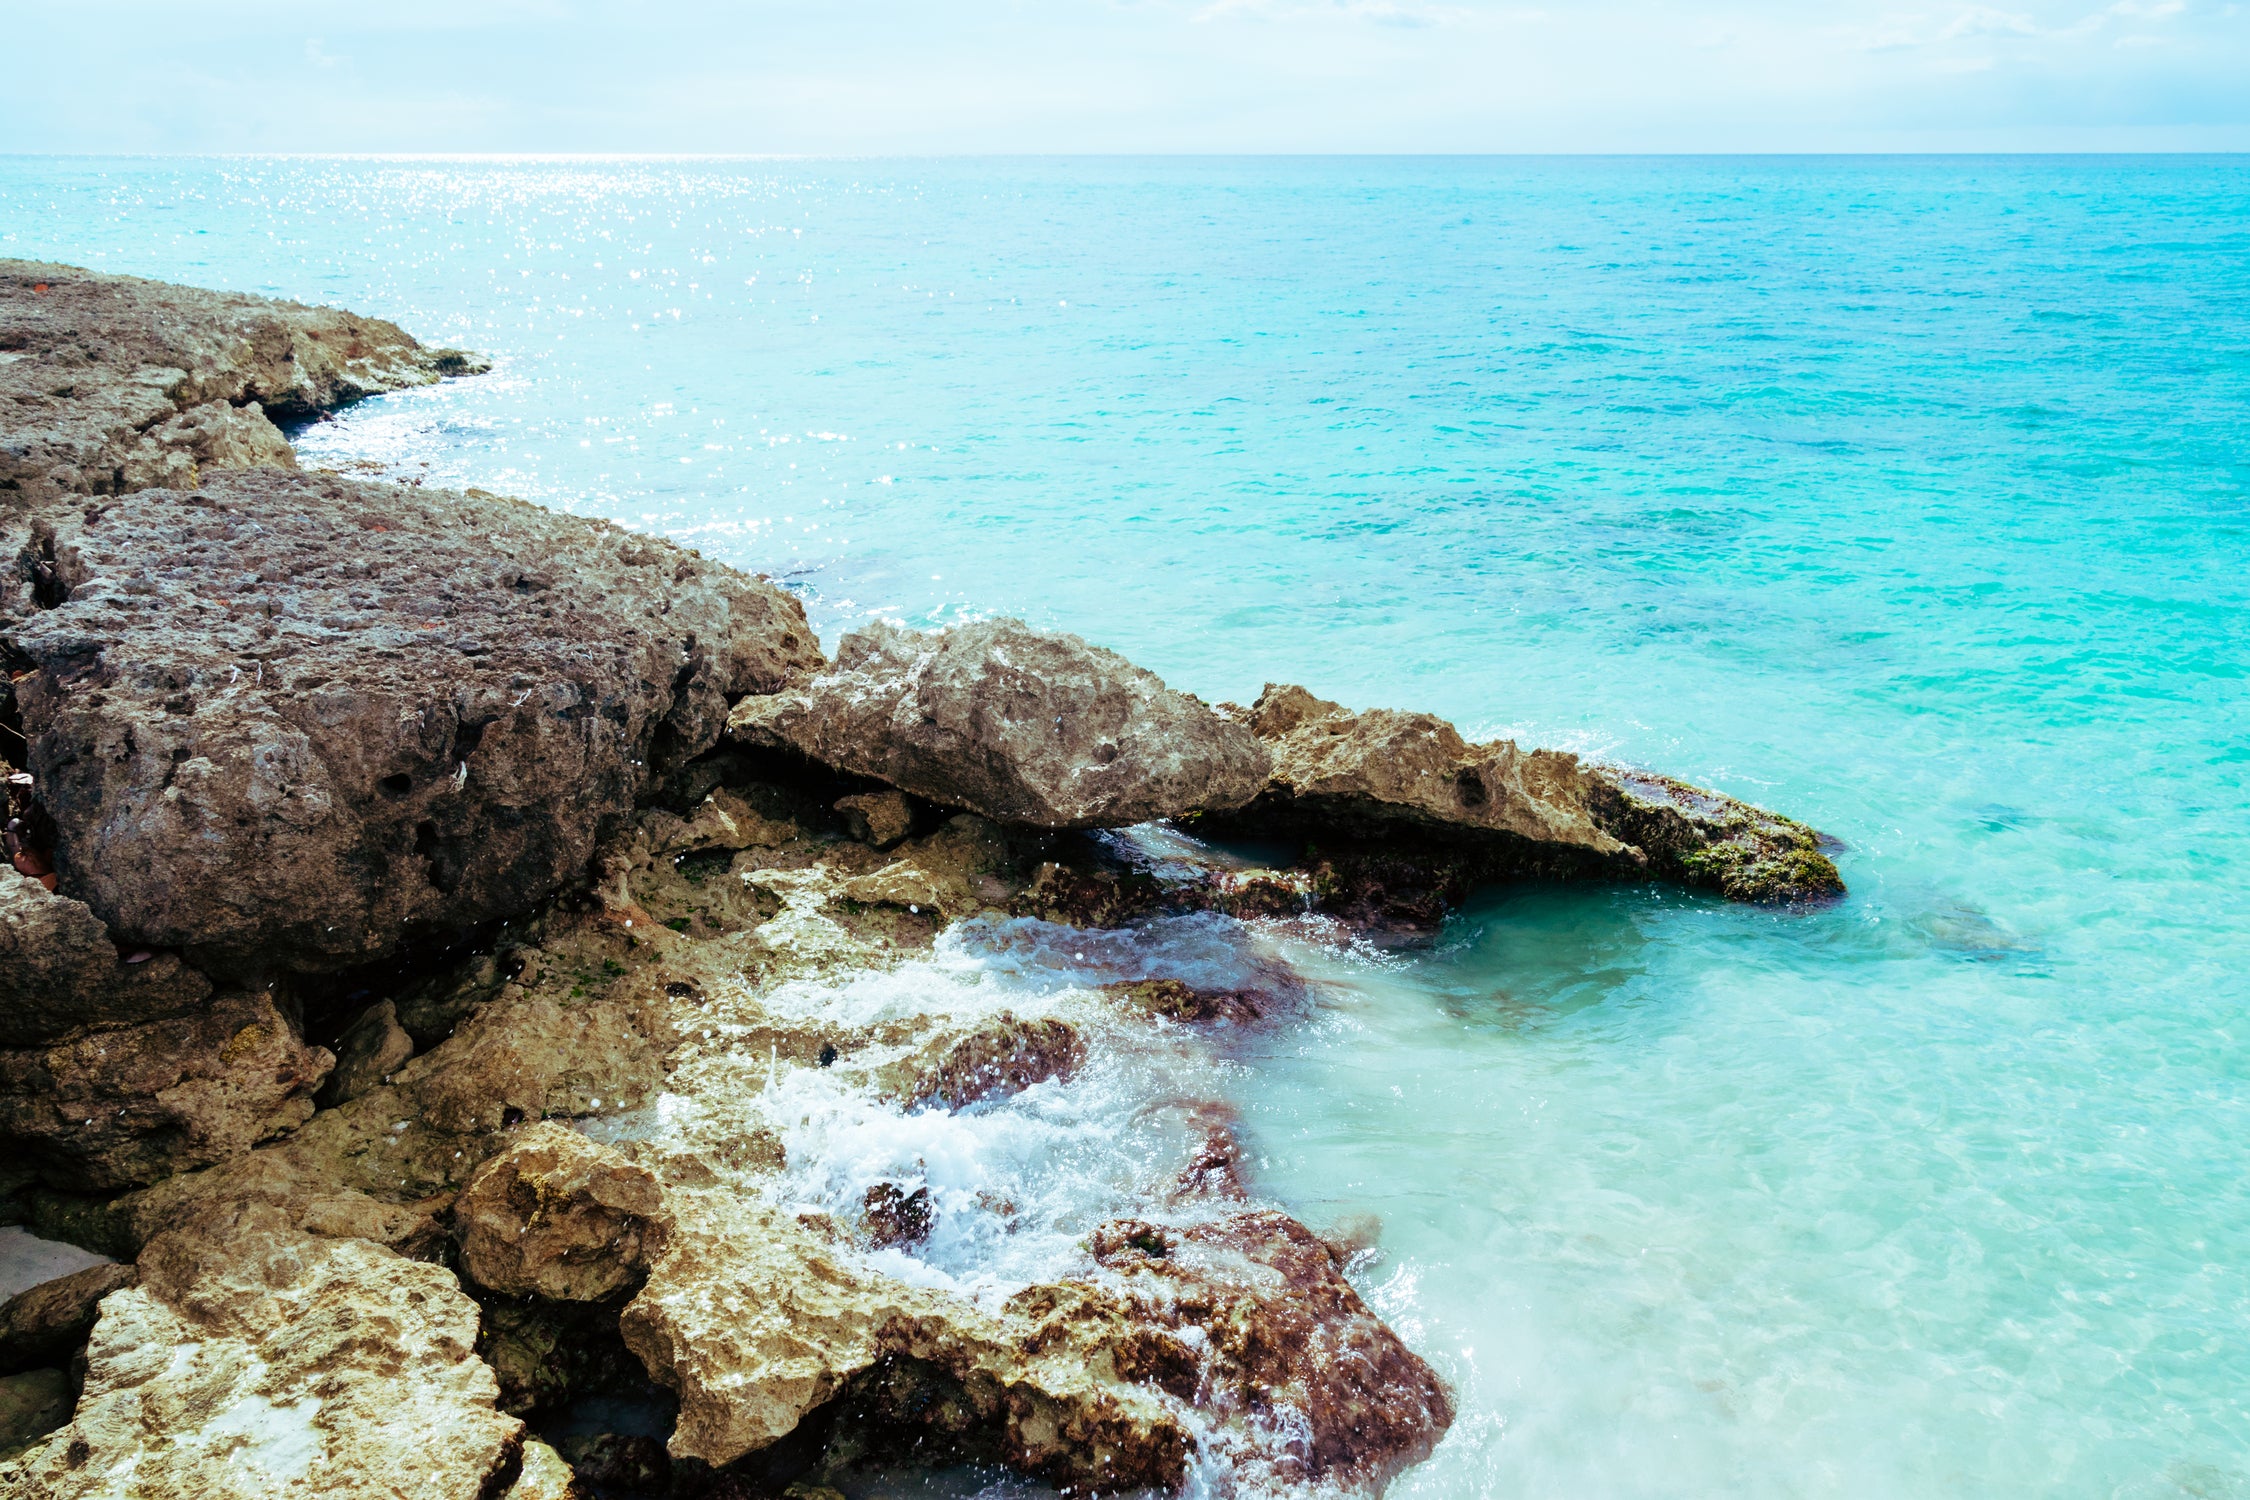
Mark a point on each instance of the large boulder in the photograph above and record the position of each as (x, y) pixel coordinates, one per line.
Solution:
(1384, 773)
(1021, 725)
(109, 383)
(254, 1359)
(558, 1217)
(286, 721)
(130, 1105)
(1417, 807)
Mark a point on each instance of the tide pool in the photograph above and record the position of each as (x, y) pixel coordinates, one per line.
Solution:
(1910, 497)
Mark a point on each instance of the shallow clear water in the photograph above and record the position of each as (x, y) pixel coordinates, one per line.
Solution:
(1911, 497)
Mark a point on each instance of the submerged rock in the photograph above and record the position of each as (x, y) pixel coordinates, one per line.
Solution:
(1005, 1056)
(256, 1359)
(111, 383)
(285, 721)
(1019, 725)
(558, 1217)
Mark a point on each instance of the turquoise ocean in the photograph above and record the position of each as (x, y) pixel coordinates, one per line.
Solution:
(1908, 496)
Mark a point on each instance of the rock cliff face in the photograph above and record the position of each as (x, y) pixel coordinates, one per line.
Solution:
(285, 721)
(112, 383)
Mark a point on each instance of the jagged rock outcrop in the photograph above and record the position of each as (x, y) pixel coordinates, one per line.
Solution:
(558, 1217)
(1003, 1057)
(1020, 725)
(285, 721)
(256, 1359)
(1245, 1323)
(367, 1053)
(45, 1324)
(112, 383)
(1417, 812)
(127, 1106)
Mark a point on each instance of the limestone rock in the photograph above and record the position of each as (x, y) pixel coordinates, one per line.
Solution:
(287, 721)
(1706, 839)
(1385, 774)
(1281, 1341)
(123, 1107)
(370, 1049)
(544, 1476)
(43, 1325)
(60, 973)
(997, 1060)
(559, 1217)
(215, 435)
(255, 1359)
(1021, 726)
(97, 371)
(755, 1322)
(878, 818)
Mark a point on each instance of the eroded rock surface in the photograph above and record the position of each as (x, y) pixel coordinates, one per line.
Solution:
(558, 1217)
(286, 720)
(1409, 814)
(256, 1359)
(111, 383)
(1019, 725)
(45, 1324)
(60, 973)
(128, 1106)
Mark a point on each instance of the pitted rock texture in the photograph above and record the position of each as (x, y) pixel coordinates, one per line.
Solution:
(253, 1359)
(60, 973)
(1388, 774)
(111, 383)
(286, 721)
(128, 1106)
(558, 1217)
(1022, 726)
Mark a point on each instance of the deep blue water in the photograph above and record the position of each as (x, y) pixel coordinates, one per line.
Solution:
(1909, 496)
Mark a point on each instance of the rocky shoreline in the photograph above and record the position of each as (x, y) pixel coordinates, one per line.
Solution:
(430, 938)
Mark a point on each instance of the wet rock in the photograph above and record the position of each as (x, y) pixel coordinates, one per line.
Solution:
(545, 1476)
(33, 1403)
(128, 1106)
(559, 1217)
(368, 1051)
(631, 1462)
(1282, 1342)
(1021, 726)
(45, 1324)
(112, 382)
(756, 1323)
(878, 818)
(894, 1216)
(1176, 1000)
(255, 1359)
(999, 1059)
(1705, 839)
(60, 973)
(1383, 774)
(289, 721)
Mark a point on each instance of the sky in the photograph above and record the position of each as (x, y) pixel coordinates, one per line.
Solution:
(822, 77)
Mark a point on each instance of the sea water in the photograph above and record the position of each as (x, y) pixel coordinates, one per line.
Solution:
(1911, 497)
